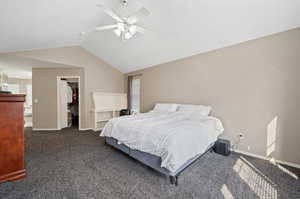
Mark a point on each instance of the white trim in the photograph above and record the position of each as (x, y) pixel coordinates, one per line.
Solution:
(45, 129)
(97, 129)
(252, 154)
(56, 129)
(268, 159)
(85, 129)
(79, 94)
(57, 101)
(289, 164)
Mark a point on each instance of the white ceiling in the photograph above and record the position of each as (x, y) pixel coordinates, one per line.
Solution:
(178, 28)
(21, 67)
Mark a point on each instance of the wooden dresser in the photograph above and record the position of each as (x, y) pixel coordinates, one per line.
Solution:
(12, 165)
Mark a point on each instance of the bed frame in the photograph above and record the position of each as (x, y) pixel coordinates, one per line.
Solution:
(154, 161)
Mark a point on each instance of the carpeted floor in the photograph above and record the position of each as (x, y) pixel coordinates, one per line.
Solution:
(72, 164)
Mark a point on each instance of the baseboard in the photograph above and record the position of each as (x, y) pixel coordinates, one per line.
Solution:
(85, 129)
(268, 159)
(42, 129)
(98, 129)
(288, 164)
(56, 129)
(252, 155)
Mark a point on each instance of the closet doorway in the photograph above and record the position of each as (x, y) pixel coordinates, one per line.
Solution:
(68, 102)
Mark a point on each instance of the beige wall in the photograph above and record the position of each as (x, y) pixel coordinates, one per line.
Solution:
(44, 89)
(253, 87)
(98, 76)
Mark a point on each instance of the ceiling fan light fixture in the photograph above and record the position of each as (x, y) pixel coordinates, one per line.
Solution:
(125, 27)
(118, 32)
(121, 26)
(127, 35)
(132, 29)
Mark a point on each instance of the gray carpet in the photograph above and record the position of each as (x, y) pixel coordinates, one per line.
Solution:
(72, 164)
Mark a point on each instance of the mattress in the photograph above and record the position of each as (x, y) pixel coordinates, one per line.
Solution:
(173, 137)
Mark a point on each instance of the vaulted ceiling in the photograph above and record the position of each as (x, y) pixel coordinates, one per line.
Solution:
(176, 28)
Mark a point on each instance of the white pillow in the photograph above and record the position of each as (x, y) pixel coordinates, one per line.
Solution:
(197, 109)
(165, 107)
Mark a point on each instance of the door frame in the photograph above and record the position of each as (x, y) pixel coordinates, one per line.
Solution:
(58, 78)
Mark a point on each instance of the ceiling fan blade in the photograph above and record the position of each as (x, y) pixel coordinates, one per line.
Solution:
(111, 13)
(141, 13)
(140, 29)
(107, 27)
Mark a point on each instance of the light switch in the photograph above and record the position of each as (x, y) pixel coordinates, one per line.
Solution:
(36, 101)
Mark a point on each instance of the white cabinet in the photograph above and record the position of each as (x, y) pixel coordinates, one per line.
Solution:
(106, 107)
(103, 116)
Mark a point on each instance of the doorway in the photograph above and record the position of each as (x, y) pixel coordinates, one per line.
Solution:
(68, 102)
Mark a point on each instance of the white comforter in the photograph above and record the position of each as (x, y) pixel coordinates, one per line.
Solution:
(174, 137)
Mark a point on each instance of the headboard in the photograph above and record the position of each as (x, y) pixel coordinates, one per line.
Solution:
(109, 101)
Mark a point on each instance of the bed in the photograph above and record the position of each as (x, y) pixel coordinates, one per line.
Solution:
(167, 139)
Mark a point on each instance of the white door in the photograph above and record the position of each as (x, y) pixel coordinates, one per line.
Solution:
(63, 104)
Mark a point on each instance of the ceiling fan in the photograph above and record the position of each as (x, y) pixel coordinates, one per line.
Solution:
(125, 27)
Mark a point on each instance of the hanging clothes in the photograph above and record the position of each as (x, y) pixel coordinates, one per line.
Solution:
(75, 96)
(69, 94)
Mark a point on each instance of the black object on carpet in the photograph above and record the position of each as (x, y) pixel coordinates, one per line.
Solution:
(73, 164)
